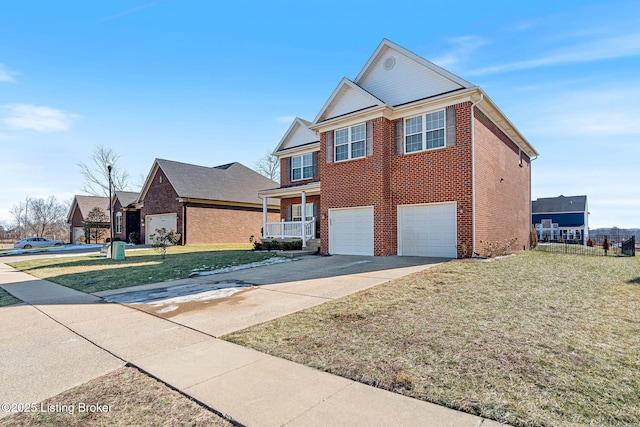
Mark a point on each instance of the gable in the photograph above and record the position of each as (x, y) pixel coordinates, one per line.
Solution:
(346, 98)
(397, 76)
(297, 135)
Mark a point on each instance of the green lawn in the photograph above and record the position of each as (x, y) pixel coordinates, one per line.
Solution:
(536, 339)
(7, 299)
(94, 274)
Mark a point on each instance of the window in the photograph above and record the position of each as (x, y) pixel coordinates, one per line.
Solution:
(350, 142)
(296, 212)
(424, 132)
(119, 222)
(302, 167)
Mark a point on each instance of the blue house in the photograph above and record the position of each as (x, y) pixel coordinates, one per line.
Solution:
(561, 217)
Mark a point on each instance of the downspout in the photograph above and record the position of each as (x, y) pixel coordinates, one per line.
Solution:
(473, 175)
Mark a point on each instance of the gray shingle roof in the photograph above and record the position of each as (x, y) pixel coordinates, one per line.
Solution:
(559, 204)
(127, 197)
(232, 182)
(87, 203)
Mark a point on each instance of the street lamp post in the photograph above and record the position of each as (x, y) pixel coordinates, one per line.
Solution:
(109, 166)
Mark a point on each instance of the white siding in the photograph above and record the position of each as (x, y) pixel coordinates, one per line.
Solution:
(347, 101)
(300, 135)
(407, 81)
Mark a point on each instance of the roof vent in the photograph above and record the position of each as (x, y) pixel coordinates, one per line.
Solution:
(389, 63)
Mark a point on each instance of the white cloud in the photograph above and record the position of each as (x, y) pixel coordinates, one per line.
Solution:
(463, 47)
(33, 117)
(593, 50)
(6, 75)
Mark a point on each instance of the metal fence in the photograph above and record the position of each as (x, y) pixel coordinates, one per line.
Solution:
(619, 248)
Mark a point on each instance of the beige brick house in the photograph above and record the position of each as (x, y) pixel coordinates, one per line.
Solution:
(406, 159)
(204, 204)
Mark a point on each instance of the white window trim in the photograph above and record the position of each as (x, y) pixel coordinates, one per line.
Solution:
(118, 222)
(424, 132)
(349, 143)
(299, 218)
(302, 166)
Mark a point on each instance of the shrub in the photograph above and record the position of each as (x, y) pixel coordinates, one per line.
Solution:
(534, 237)
(162, 239)
(605, 245)
(134, 237)
(545, 239)
(296, 245)
(500, 248)
(590, 242)
(81, 240)
(560, 240)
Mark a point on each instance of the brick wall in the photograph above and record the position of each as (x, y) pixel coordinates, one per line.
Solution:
(285, 203)
(117, 207)
(160, 199)
(224, 224)
(503, 197)
(386, 180)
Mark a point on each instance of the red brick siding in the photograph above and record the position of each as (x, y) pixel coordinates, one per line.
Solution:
(285, 203)
(160, 199)
(386, 180)
(224, 224)
(117, 207)
(503, 198)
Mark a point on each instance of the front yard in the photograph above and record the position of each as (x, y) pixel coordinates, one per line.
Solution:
(536, 339)
(93, 274)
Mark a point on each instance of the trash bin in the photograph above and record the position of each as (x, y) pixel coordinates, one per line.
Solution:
(117, 250)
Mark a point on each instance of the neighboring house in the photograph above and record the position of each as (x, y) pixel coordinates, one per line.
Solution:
(406, 159)
(561, 217)
(126, 214)
(80, 208)
(204, 204)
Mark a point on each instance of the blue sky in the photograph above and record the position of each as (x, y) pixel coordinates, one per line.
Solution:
(215, 82)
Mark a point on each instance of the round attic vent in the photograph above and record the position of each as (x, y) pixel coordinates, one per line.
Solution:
(389, 63)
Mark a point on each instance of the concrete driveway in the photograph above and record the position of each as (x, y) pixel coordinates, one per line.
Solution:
(223, 303)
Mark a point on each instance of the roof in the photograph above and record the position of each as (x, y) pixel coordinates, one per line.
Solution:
(232, 182)
(127, 197)
(559, 204)
(87, 203)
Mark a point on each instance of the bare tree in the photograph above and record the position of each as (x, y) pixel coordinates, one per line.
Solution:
(96, 224)
(47, 217)
(268, 166)
(19, 216)
(96, 174)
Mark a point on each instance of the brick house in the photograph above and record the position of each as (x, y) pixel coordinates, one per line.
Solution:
(126, 214)
(406, 159)
(80, 208)
(204, 204)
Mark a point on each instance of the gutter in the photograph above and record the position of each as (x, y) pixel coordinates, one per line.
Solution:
(473, 175)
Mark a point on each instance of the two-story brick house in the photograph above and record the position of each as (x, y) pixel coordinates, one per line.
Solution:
(406, 159)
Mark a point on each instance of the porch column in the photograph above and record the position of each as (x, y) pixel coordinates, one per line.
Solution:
(304, 219)
(264, 216)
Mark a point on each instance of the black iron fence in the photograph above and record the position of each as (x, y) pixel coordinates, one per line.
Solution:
(597, 247)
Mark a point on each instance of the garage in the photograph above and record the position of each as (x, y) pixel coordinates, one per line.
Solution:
(351, 231)
(76, 233)
(156, 222)
(427, 230)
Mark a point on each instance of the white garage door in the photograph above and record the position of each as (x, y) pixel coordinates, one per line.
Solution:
(351, 231)
(156, 222)
(427, 230)
(77, 232)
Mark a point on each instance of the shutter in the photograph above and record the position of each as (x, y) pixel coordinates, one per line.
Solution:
(330, 146)
(451, 126)
(316, 208)
(314, 156)
(369, 140)
(288, 170)
(288, 218)
(399, 135)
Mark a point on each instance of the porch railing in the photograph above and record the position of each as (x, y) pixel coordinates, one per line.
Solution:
(291, 229)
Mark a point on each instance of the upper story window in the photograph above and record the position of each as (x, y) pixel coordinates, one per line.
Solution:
(424, 132)
(350, 142)
(302, 167)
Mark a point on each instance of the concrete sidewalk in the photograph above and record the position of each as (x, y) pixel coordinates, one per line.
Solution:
(252, 388)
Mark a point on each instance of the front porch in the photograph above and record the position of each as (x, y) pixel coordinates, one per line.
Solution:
(299, 214)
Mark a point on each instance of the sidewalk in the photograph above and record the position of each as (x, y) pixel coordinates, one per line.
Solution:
(252, 388)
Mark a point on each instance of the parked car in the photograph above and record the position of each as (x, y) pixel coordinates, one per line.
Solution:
(36, 242)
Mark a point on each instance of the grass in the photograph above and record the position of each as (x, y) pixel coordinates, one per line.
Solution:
(94, 274)
(7, 299)
(537, 339)
(134, 399)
